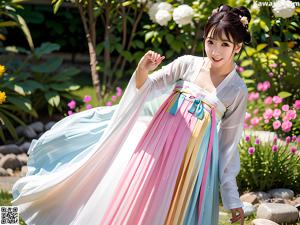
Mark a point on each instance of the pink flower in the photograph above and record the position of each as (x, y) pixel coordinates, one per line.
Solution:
(285, 108)
(268, 114)
(247, 116)
(251, 150)
(257, 141)
(119, 93)
(286, 126)
(293, 149)
(247, 138)
(109, 103)
(285, 118)
(291, 114)
(266, 85)
(297, 104)
(288, 139)
(276, 113)
(89, 106)
(271, 74)
(275, 140)
(254, 121)
(298, 139)
(119, 89)
(87, 98)
(72, 104)
(253, 96)
(294, 138)
(268, 100)
(277, 99)
(273, 65)
(266, 121)
(259, 86)
(263, 86)
(245, 125)
(70, 112)
(240, 69)
(255, 111)
(113, 98)
(274, 148)
(276, 124)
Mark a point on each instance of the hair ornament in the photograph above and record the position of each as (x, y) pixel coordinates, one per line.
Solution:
(244, 20)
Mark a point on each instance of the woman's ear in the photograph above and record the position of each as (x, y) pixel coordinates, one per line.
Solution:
(238, 47)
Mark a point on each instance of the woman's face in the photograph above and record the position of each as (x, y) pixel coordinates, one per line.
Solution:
(220, 51)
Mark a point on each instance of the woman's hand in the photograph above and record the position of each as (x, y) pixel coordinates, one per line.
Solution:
(237, 214)
(150, 61)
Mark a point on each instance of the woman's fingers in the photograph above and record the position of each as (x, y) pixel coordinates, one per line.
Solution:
(237, 215)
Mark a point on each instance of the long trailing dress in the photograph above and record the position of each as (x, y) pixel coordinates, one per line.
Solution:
(158, 157)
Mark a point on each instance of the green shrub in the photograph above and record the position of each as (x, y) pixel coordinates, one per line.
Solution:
(270, 164)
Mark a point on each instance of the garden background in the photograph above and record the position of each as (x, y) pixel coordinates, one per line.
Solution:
(62, 57)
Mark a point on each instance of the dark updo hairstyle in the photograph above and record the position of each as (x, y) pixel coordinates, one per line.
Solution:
(228, 20)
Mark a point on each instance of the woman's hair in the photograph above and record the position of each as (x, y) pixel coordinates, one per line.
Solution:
(228, 20)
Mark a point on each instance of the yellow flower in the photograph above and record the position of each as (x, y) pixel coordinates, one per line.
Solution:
(2, 97)
(2, 70)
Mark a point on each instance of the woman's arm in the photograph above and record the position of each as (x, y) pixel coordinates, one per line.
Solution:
(161, 78)
(230, 132)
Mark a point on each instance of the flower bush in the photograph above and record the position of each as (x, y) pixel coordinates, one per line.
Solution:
(73, 107)
(267, 164)
(271, 113)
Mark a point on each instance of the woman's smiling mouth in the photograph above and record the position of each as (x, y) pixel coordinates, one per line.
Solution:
(216, 60)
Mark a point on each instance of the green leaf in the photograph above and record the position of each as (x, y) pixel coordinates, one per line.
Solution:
(57, 4)
(14, 117)
(246, 63)
(65, 74)
(22, 24)
(8, 24)
(139, 44)
(127, 55)
(66, 86)
(26, 88)
(263, 26)
(23, 104)
(48, 67)
(250, 51)
(53, 98)
(9, 126)
(260, 47)
(149, 35)
(99, 48)
(284, 94)
(46, 48)
(247, 73)
(127, 3)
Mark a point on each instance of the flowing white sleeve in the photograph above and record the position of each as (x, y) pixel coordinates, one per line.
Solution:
(161, 79)
(230, 132)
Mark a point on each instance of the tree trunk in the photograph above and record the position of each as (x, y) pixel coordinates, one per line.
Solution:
(90, 32)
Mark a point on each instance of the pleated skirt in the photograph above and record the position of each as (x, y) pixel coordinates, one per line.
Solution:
(172, 176)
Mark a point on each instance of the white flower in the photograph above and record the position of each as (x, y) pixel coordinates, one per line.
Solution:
(162, 17)
(283, 8)
(183, 14)
(156, 7)
(254, 8)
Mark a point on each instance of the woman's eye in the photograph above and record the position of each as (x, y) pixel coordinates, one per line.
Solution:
(225, 44)
(209, 42)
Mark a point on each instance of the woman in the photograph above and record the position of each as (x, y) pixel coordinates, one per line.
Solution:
(160, 155)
